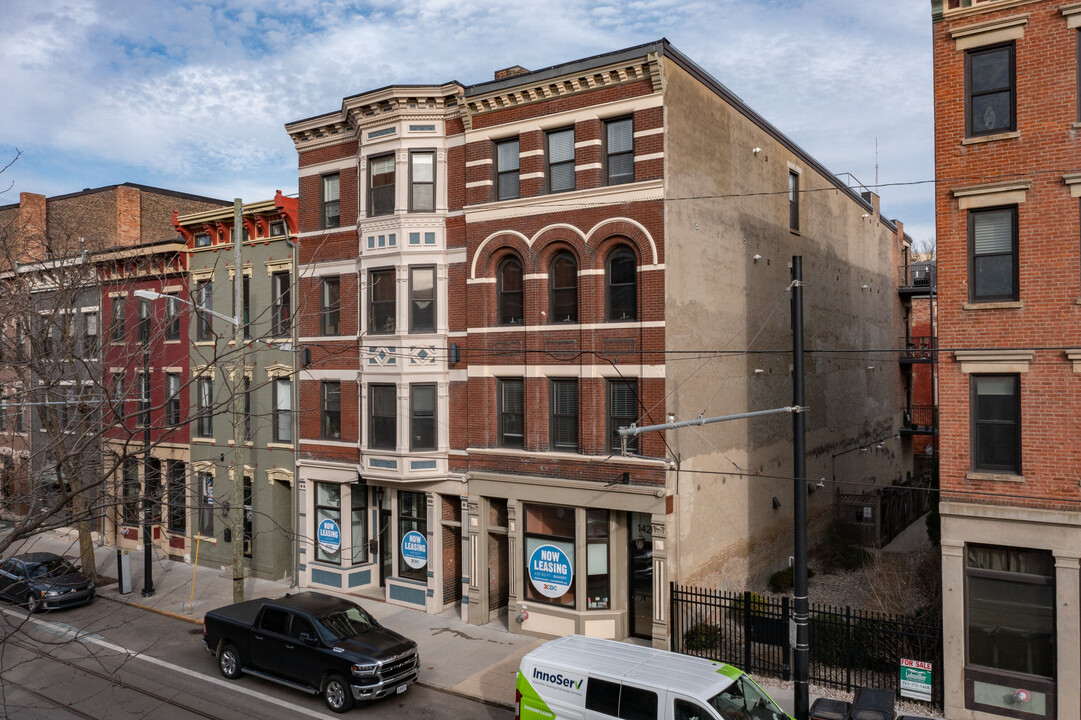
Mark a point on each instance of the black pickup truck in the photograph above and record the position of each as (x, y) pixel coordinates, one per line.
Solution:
(312, 642)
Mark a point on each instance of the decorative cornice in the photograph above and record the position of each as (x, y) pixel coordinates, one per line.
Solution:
(1074, 356)
(1073, 181)
(573, 83)
(990, 361)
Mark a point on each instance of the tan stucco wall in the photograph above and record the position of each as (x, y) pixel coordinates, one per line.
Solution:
(720, 298)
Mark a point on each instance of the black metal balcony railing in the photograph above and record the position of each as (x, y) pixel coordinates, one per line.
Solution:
(917, 276)
(920, 418)
(918, 347)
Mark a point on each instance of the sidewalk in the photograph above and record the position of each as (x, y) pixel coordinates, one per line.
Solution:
(476, 662)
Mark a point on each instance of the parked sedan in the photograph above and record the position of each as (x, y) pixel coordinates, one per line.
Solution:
(44, 581)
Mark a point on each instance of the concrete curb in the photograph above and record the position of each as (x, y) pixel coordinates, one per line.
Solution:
(166, 613)
(467, 696)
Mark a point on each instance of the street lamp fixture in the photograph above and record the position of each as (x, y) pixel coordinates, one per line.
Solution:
(153, 295)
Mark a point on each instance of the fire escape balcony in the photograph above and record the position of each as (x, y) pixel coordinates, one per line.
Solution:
(915, 280)
(918, 349)
(920, 420)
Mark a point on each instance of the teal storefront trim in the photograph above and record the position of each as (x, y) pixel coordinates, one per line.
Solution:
(326, 578)
(363, 577)
(411, 595)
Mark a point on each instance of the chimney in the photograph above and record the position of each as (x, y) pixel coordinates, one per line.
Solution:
(512, 71)
(128, 216)
(32, 227)
(871, 198)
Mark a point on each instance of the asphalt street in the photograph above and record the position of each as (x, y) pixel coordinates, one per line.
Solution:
(112, 661)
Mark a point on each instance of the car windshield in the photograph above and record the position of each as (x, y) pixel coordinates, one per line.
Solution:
(344, 624)
(55, 566)
(743, 700)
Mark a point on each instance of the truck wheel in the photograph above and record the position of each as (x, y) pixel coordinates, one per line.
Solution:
(229, 662)
(338, 695)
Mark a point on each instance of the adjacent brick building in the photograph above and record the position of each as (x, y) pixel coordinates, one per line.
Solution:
(1008, 172)
(540, 260)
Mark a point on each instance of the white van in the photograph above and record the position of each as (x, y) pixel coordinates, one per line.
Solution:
(582, 678)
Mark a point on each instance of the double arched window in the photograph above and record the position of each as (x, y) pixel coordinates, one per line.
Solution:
(621, 286)
(563, 288)
(509, 292)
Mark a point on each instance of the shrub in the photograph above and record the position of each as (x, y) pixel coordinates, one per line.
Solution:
(783, 580)
(702, 638)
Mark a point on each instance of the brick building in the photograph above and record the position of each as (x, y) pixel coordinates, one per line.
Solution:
(52, 374)
(1007, 161)
(538, 261)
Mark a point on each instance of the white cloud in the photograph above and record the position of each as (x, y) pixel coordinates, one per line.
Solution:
(195, 94)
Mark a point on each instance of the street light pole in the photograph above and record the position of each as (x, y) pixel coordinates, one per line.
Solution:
(144, 416)
(236, 509)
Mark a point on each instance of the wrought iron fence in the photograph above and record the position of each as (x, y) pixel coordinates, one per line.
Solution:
(849, 648)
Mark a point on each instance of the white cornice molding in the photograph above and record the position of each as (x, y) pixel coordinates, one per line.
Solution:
(989, 32)
(1010, 192)
(994, 361)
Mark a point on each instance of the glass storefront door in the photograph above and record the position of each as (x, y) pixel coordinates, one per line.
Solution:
(640, 574)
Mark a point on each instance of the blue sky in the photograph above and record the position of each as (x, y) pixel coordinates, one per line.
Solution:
(193, 96)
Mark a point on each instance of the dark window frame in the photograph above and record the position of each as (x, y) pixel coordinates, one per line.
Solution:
(172, 316)
(414, 183)
(144, 320)
(549, 165)
(281, 286)
(330, 308)
(611, 309)
(793, 200)
(331, 215)
(547, 518)
(378, 280)
(412, 516)
(1011, 89)
(508, 438)
(614, 421)
(505, 298)
(423, 426)
(204, 300)
(562, 299)
(330, 405)
(416, 308)
(117, 320)
(131, 489)
(379, 191)
(607, 154)
(564, 420)
(282, 416)
(973, 284)
(382, 427)
(176, 486)
(204, 389)
(500, 173)
(172, 402)
(977, 424)
(91, 340)
(328, 511)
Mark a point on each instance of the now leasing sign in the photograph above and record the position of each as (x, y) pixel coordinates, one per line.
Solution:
(916, 679)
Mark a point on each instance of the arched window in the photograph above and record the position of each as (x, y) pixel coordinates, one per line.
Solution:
(621, 286)
(563, 288)
(509, 292)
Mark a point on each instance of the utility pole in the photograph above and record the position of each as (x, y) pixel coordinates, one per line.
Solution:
(801, 659)
(236, 507)
(148, 504)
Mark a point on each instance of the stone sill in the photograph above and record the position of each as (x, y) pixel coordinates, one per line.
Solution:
(994, 477)
(991, 138)
(1004, 305)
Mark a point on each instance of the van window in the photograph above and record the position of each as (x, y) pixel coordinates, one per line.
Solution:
(685, 710)
(743, 700)
(637, 704)
(602, 696)
(622, 701)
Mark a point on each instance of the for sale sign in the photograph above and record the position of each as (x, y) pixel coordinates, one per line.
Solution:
(916, 679)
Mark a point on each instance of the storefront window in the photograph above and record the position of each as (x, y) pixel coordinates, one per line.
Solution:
(549, 554)
(358, 521)
(328, 523)
(597, 587)
(412, 536)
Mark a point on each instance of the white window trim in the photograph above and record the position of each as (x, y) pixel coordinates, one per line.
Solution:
(994, 361)
(989, 33)
(991, 194)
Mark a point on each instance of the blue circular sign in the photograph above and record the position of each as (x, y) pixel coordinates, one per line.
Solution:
(550, 571)
(329, 536)
(415, 550)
